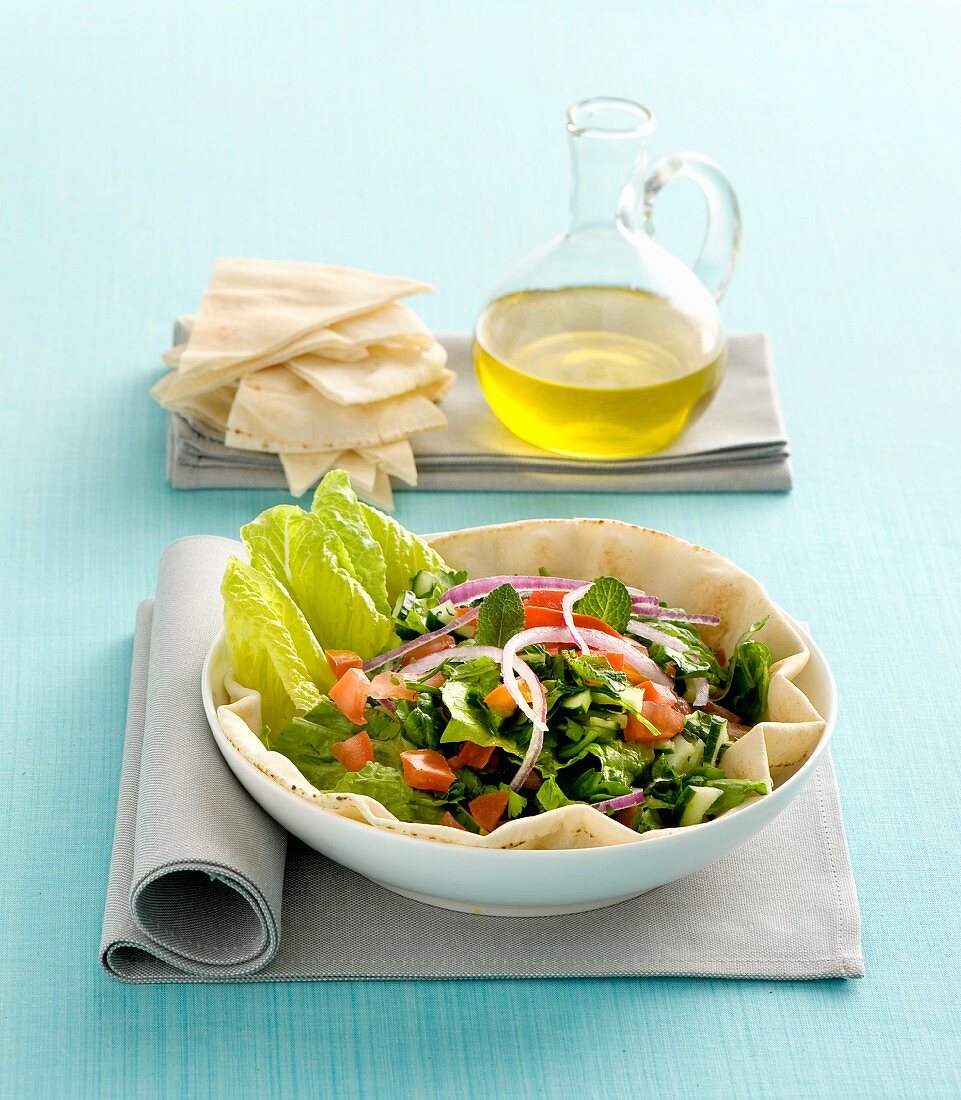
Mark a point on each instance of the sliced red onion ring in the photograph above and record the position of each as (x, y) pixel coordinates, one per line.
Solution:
(644, 601)
(392, 655)
(702, 691)
(510, 662)
(651, 634)
(622, 802)
(680, 617)
(539, 701)
(567, 609)
(416, 669)
(472, 590)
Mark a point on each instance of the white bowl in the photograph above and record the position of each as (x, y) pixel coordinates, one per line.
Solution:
(518, 883)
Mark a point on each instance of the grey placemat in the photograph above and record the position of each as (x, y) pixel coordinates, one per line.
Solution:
(739, 444)
(204, 887)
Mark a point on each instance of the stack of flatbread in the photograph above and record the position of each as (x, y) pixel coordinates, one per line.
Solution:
(320, 365)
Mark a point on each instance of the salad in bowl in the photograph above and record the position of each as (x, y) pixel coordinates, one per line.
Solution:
(567, 684)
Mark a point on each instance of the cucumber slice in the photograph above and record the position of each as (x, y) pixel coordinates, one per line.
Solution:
(697, 803)
(683, 755)
(581, 701)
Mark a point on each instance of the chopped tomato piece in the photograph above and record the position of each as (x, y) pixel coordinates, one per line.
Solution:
(668, 719)
(390, 685)
(532, 782)
(658, 693)
(452, 823)
(435, 645)
(635, 730)
(628, 817)
(615, 660)
(500, 702)
(355, 752)
(549, 616)
(633, 676)
(488, 809)
(436, 681)
(546, 597)
(350, 694)
(426, 770)
(470, 755)
(342, 659)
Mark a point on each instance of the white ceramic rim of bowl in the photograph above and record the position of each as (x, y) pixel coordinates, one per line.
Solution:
(792, 784)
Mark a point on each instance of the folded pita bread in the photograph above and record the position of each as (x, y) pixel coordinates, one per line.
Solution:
(395, 459)
(390, 328)
(212, 409)
(254, 307)
(390, 459)
(275, 411)
(305, 470)
(679, 572)
(382, 375)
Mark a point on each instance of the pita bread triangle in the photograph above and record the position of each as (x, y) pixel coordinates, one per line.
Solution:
(381, 375)
(278, 412)
(253, 307)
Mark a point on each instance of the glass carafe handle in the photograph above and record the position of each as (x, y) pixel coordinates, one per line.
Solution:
(722, 239)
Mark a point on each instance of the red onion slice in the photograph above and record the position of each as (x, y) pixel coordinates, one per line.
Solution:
(622, 802)
(539, 701)
(567, 609)
(510, 660)
(392, 655)
(651, 634)
(416, 669)
(680, 617)
(702, 691)
(472, 590)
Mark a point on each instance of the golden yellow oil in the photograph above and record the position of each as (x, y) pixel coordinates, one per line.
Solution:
(594, 371)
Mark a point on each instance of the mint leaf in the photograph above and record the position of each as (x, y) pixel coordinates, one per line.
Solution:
(501, 616)
(607, 599)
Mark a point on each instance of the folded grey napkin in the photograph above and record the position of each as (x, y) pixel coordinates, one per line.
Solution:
(205, 887)
(739, 444)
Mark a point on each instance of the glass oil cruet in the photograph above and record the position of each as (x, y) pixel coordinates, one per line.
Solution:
(603, 344)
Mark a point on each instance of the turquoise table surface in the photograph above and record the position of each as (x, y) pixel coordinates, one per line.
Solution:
(140, 141)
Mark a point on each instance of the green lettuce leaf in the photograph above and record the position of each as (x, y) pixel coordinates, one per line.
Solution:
(388, 787)
(271, 645)
(335, 502)
(549, 796)
(749, 677)
(404, 553)
(309, 561)
(307, 741)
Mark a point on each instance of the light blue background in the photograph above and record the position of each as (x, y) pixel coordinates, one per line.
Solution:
(138, 141)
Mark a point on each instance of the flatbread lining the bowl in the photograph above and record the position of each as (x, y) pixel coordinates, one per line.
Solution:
(679, 572)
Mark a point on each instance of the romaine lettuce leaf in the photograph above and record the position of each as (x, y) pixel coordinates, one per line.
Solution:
(271, 646)
(749, 677)
(307, 741)
(404, 553)
(388, 787)
(335, 502)
(306, 557)
(549, 796)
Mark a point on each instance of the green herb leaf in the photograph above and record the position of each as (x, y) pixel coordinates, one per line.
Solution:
(501, 616)
(749, 676)
(550, 796)
(607, 599)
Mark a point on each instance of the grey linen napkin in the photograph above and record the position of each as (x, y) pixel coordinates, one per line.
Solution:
(739, 444)
(200, 876)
